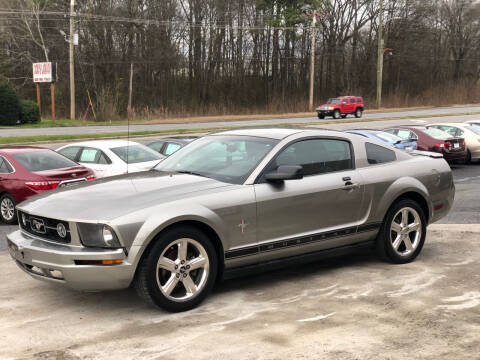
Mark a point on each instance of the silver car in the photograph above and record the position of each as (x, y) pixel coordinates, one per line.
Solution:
(229, 203)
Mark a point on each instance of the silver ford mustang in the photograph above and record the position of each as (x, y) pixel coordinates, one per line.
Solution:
(229, 203)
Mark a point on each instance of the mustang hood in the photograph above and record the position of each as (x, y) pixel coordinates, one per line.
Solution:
(109, 198)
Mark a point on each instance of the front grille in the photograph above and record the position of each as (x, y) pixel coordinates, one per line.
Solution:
(49, 229)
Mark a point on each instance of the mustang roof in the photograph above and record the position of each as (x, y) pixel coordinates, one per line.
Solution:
(275, 132)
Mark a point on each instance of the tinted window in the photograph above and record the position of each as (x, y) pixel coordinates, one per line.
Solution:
(333, 101)
(134, 154)
(345, 102)
(43, 160)
(352, 101)
(226, 158)
(377, 154)
(5, 167)
(70, 152)
(316, 156)
(359, 100)
(171, 148)
(157, 146)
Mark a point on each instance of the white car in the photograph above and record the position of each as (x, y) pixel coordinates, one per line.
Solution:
(469, 131)
(112, 157)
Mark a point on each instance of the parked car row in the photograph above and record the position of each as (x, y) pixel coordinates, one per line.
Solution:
(457, 142)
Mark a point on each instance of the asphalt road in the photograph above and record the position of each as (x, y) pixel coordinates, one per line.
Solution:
(209, 125)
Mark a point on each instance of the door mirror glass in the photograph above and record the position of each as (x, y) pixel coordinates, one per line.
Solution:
(285, 172)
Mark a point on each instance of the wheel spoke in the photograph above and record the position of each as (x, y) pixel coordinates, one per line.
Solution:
(166, 264)
(408, 243)
(197, 263)
(189, 285)
(396, 244)
(170, 285)
(404, 217)
(413, 227)
(182, 249)
(396, 227)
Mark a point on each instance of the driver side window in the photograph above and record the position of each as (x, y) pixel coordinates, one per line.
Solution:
(316, 156)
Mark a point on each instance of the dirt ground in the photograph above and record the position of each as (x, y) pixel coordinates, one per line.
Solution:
(349, 308)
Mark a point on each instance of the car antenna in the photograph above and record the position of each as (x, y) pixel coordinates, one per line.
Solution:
(128, 140)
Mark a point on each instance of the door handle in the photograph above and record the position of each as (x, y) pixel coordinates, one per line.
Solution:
(350, 186)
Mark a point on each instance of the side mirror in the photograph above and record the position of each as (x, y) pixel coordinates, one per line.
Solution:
(284, 172)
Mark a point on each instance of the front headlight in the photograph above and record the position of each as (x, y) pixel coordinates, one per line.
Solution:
(331, 108)
(97, 235)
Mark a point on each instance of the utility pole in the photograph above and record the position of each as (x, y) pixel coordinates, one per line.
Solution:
(380, 55)
(130, 90)
(312, 59)
(72, 61)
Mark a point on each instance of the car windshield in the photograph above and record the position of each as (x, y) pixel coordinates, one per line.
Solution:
(388, 137)
(133, 154)
(225, 158)
(437, 134)
(43, 160)
(334, 101)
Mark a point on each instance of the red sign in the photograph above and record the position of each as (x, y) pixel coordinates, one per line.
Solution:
(44, 72)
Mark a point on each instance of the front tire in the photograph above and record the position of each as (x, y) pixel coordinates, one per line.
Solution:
(8, 211)
(321, 116)
(403, 232)
(179, 271)
(336, 114)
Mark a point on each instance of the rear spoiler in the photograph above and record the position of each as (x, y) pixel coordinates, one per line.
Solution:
(431, 154)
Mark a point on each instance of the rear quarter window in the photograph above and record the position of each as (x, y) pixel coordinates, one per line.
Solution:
(377, 154)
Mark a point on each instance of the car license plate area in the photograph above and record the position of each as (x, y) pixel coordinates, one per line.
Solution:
(456, 145)
(70, 183)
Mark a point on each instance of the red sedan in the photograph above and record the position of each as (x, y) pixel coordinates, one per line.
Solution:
(431, 139)
(28, 171)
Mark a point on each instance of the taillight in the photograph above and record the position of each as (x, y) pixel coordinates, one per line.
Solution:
(43, 185)
(91, 177)
(463, 142)
(440, 145)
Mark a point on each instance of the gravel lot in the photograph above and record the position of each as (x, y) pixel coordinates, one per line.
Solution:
(349, 308)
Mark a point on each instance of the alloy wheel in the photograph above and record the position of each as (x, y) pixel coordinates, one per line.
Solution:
(182, 270)
(7, 209)
(406, 231)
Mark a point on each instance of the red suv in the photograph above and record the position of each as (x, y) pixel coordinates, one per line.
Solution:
(27, 171)
(342, 106)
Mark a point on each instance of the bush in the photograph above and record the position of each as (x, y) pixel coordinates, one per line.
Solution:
(29, 112)
(9, 105)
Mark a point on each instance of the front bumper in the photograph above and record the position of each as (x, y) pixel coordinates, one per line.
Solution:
(45, 260)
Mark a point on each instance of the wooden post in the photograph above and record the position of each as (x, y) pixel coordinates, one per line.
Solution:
(52, 94)
(38, 97)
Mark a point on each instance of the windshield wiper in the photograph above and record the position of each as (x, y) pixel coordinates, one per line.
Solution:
(190, 173)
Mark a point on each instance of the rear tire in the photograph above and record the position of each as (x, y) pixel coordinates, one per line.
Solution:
(179, 270)
(358, 113)
(336, 114)
(403, 232)
(8, 211)
(468, 160)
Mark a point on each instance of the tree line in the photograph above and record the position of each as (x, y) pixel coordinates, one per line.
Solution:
(194, 57)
